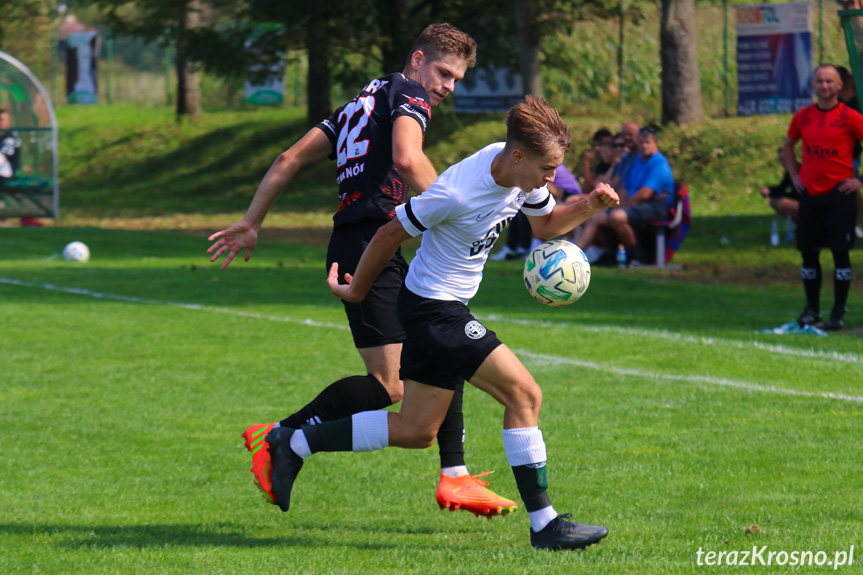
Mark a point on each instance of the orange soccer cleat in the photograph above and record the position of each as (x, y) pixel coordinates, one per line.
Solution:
(262, 467)
(468, 492)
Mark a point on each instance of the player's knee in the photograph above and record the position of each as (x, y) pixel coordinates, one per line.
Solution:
(527, 396)
(422, 437)
(617, 217)
(394, 386)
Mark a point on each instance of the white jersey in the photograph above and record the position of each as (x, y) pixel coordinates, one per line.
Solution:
(460, 217)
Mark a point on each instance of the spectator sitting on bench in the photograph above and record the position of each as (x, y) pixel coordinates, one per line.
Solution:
(10, 156)
(626, 143)
(595, 165)
(10, 148)
(783, 197)
(649, 190)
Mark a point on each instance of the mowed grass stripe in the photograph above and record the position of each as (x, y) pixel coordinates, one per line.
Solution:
(541, 360)
(537, 359)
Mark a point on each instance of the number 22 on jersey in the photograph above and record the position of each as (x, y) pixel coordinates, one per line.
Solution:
(349, 148)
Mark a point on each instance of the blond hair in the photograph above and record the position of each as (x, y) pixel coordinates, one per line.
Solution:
(438, 41)
(535, 125)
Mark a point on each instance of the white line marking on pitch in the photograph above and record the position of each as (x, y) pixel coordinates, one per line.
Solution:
(546, 359)
(663, 334)
(194, 306)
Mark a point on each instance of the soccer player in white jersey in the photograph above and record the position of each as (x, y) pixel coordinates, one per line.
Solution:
(460, 217)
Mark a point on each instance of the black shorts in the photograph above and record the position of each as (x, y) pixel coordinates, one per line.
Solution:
(826, 221)
(653, 210)
(373, 321)
(445, 344)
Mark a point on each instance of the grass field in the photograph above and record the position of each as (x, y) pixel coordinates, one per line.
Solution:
(127, 381)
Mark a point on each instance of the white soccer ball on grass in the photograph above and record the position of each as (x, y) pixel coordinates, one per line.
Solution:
(76, 252)
(557, 273)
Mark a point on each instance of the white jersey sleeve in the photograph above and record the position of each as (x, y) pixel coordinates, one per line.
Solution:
(428, 209)
(538, 202)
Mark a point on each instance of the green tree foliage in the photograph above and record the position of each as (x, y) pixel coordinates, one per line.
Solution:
(22, 21)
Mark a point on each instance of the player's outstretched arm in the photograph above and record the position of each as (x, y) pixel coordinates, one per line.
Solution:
(243, 235)
(564, 218)
(408, 156)
(374, 259)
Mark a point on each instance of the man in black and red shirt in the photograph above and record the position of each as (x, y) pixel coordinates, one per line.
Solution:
(828, 129)
(376, 140)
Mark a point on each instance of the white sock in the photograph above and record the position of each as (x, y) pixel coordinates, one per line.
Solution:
(539, 519)
(300, 445)
(524, 446)
(457, 471)
(277, 424)
(371, 430)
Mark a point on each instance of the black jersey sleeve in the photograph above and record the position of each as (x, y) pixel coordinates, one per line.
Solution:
(410, 99)
(329, 126)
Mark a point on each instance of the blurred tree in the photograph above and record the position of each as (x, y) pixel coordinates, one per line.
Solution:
(681, 87)
(171, 23)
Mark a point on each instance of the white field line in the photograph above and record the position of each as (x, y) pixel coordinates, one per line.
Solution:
(193, 306)
(663, 334)
(540, 359)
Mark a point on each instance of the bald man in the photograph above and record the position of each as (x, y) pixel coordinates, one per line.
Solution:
(827, 214)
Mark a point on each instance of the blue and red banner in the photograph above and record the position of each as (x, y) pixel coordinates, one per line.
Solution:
(774, 58)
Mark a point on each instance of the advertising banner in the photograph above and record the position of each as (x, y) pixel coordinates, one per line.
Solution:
(774, 58)
(489, 90)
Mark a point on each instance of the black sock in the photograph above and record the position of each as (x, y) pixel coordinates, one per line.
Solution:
(341, 399)
(532, 483)
(811, 274)
(841, 279)
(450, 436)
(330, 436)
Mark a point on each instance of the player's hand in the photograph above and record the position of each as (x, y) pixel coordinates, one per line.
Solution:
(798, 183)
(764, 191)
(240, 236)
(603, 196)
(850, 185)
(342, 291)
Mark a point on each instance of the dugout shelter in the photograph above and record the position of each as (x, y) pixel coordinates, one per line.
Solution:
(33, 189)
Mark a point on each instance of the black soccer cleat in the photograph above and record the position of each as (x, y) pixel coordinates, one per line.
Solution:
(809, 317)
(286, 465)
(836, 321)
(564, 534)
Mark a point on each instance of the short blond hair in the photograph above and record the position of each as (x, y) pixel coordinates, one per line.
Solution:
(536, 125)
(439, 41)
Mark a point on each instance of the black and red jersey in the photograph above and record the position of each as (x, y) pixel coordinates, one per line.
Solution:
(361, 134)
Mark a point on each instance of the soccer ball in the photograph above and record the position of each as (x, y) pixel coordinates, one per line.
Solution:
(557, 273)
(76, 252)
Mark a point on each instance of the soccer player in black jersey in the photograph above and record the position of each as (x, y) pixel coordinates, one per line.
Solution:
(376, 140)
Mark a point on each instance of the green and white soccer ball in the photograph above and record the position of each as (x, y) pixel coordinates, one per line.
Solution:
(76, 252)
(557, 273)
